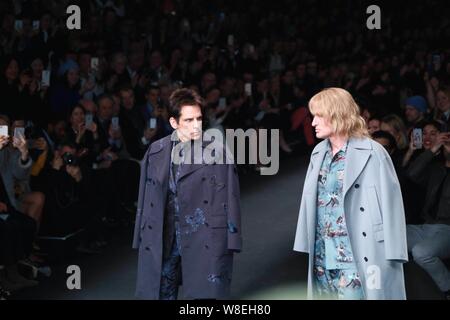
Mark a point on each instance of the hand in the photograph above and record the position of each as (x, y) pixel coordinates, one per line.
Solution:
(57, 161)
(92, 127)
(74, 172)
(440, 140)
(81, 130)
(149, 133)
(40, 144)
(3, 207)
(88, 86)
(115, 134)
(3, 141)
(21, 144)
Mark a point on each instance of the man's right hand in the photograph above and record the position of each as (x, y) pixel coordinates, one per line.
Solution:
(3, 141)
(3, 207)
(440, 140)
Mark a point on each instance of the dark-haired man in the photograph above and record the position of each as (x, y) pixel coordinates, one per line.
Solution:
(188, 217)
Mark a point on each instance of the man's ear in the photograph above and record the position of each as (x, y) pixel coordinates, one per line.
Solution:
(173, 123)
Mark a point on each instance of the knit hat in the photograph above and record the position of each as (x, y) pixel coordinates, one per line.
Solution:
(417, 102)
(69, 64)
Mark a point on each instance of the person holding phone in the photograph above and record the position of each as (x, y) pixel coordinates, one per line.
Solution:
(188, 217)
(351, 220)
(429, 243)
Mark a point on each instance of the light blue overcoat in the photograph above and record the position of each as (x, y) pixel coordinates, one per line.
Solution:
(374, 213)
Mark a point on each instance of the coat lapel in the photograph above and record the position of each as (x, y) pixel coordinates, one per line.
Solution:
(159, 156)
(358, 153)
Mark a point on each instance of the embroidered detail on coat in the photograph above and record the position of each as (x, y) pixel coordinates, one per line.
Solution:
(195, 220)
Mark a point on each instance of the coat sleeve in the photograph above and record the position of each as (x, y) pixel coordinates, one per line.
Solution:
(417, 170)
(301, 235)
(140, 203)
(21, 171)
(234, 210)
(393, 212)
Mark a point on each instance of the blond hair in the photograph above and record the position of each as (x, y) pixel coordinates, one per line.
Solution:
(340, 109)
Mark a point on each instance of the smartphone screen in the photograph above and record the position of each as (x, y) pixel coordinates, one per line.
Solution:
(45, 81)
(4, 131)
(19, 132)
(94, 63)
(115, 123)
(248, 89)
(417, 138)
(230, 40)
(152, 123)
(88, 120)
(222, 103)
(36, 24)
(18, 25)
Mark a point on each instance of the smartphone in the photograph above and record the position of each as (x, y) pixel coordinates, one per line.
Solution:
(248, 89)
(18, 25)
(152, 123)
(417, 138)
(222, 103)
(4, 131)
(45, 81)
(89, 119)
(36, 24)
(115, 123)
(94, 63)
(19, 132)
(230, 40)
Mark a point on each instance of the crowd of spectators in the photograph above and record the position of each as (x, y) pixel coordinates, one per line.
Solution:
(91, 101)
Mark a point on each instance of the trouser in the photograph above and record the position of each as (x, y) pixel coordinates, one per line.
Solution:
(429, 244)
(171, 274)
(342, 284)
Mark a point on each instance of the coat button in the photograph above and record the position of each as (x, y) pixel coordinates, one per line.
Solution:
(154, 182)
(151, 204)
(206, 246)
(203, 179)
(356, 186)
(362, 209)
(365, 259)
(364, 234)
(147, 248)
(150, 227)
(205, 201)
(206, 224)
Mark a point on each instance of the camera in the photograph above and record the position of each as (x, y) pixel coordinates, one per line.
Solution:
(69, 159)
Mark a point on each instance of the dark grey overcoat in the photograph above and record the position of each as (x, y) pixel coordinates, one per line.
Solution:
(210, 224)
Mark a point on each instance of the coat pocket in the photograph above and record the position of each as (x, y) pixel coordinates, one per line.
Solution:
(219, 234)
(375, 213)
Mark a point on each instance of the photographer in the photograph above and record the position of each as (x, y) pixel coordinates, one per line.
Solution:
(71, 198)
(429, 243)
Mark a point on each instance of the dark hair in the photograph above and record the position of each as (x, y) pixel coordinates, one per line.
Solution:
(183, 97)
(433, 123)
(380, 134)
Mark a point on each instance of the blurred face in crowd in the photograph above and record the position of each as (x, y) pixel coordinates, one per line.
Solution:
(165, 92)
(37, 66)
(385, 143)
(301, 71)
(85, 63)
(373, 125)
(73, 76)
(443, 101)
(412, 114)
(105, 109)
(213, 96)
(153, 96)
(89, 106)
(127, 97)
(60, 129)
(77, 117)
(388, 128)
(12, 70)
(45, 22)
(365, 114)
(288, 78)
(119, 63)
(430, 134)
(189, 124)
(208, 81)
(155, 60)
(322, 127)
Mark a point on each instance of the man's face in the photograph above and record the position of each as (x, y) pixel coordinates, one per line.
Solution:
(127, 99)
(105, 109)
(189, 124)
(443, 101)
(153, 96)
(412, 114)
(322, 126)
(374, 125)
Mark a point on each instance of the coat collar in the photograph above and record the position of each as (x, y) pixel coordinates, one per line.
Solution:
(358, 153)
